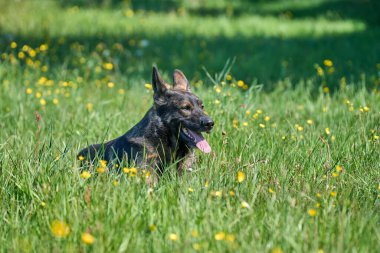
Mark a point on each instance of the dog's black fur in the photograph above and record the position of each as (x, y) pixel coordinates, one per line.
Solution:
(159, 139)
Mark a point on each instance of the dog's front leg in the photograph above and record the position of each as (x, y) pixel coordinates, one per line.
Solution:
(186, 163)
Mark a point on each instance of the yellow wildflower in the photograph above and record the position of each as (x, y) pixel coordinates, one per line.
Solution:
(333, 193)
(42, 101)
(115, 182)
(245, 124)
(228, 77)
(101, 170)
(240, 83)
(85, 174)
(266, 118)
(173, 237)
(247, 112)
(240, 176)
(43, 47)
(216, 193)
(327, 130)
(310, 122)
(262, 125)
(194, 233)
(103, 163)
(152, 227)
(108, 65)
(13, 44)
(326, 89)
(312, 212)
(270, 190)
(277, 250)
(29, 91)
(55, 101)
(148, 86)
(335, 174)
(245, 204)
(328, 63)
(197, 246)
(87, 238)
(59, 229)
(133, 171)
(220, 236)
(80, 158)
(89, 107)
(190, 189)
(110, 85)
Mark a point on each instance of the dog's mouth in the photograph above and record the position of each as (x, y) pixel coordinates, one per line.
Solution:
(195, 139)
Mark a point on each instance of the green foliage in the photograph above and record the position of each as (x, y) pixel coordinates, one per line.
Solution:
(297, 117)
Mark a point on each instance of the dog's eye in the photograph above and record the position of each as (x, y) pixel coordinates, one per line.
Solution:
(186, 107)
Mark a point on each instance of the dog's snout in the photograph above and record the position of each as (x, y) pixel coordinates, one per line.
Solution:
(207, 122)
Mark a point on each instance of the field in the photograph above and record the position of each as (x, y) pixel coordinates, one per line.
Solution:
(293, 87)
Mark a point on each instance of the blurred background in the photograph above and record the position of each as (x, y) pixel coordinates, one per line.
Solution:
(331, 42)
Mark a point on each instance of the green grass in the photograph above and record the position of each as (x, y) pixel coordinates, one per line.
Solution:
(275, 132)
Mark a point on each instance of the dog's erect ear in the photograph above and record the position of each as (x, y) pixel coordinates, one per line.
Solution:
(159, 86)
(179, 81)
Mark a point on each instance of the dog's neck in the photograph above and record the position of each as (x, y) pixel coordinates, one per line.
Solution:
(160, 136)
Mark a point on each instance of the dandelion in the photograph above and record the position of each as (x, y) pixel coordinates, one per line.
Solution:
(13, 44)
(327, 131)
(328, 63)
(245, 124)
(228, 77)
(108, 65)
(87, 238)
(32, 53)
(152, 228)
(43, 204)
(129, 13)
(103, 163)
(266, 118)
(196, 246)
(240, 176)
(259, 111)
(247, 112)
(240, 83)
(85, 174)
(206, 184)
(110, 85)
(21, 55)
(89, 107)
(133, 172)
(218, 89)
(230, 238)
(59, 229)
(101, 170)
(121, 91)
(310, 122)
(173, 237)
(29, 91)
(320, 71)
(42, 101)
(333, 194)
(148, 86)
(220, 236)
(55, 101)
(44, 47)
(80, 158)
(115, 183)
(245, 204)
(318, 195)
(194, 233)
(262, 125)
(216, 193)
(270, 190)
(335, 174)
(318, 205)
(277, 250)
(190, 189)
(126, 170)
(376, 137)
(326, 89)
(338, 168)
(235, 123)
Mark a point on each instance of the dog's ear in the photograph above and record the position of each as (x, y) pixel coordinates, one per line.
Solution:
(159, 85)
(179, 81)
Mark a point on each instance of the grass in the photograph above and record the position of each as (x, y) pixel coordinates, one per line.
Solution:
(304, 133)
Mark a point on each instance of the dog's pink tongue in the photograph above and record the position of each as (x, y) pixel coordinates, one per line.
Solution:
(204, 146)
(201, 143)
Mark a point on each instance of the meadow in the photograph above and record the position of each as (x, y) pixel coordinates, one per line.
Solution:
(293, 87)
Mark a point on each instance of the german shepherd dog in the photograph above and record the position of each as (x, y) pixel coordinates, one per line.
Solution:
(168, 132)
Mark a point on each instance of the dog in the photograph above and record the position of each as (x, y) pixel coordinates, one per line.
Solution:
(168, 132)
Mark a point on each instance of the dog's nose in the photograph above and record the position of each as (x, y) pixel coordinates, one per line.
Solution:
(207, 122)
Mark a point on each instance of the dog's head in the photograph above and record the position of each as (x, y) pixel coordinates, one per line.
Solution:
(181, 110)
